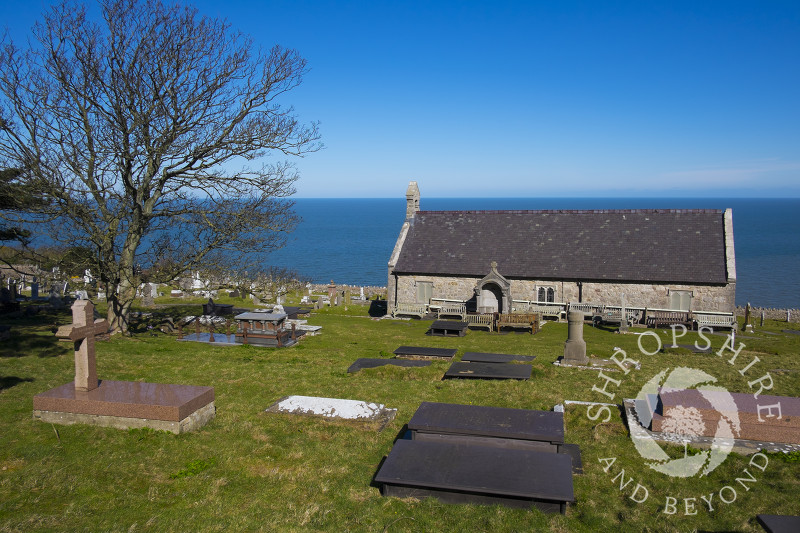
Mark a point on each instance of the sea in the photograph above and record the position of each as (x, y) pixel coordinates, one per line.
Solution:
(349, 240)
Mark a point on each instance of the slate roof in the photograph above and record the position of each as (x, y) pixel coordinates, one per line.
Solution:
(675, 246)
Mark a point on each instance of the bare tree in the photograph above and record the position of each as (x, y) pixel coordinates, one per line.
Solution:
(139, 129)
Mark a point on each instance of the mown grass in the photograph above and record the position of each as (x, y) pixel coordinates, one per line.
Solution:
(250, 471)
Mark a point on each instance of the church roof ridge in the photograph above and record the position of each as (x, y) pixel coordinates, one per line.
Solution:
(571, 211)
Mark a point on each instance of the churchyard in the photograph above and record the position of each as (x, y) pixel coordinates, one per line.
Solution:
(248, 469)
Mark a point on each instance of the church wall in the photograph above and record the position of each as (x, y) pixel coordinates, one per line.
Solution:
(651, 295)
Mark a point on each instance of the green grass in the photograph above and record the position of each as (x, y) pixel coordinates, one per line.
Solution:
(250, 471)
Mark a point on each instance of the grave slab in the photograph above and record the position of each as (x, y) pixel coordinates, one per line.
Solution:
(459, 473)
(334, 408)
(120, 404)
(421, 352)
(488, 371)
(448, 328)
(504, 423)
(774, 523)
(366, 362)
(127, 404)
(481, 357)
(753, 414)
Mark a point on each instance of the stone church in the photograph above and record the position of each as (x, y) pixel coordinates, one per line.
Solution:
(680, 259)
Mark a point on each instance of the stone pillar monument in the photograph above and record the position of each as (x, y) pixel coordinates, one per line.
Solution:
(575, 347)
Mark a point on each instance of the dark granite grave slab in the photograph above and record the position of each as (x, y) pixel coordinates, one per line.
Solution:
(574, 451)
(487, 421)
(774, 523)
(366, 362)
(458, 473)
(488, 371)
(420, 352)
(480, 357)
(448, 328)
(129, 399)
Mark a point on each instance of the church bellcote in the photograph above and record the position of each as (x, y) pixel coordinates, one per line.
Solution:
(412, 199)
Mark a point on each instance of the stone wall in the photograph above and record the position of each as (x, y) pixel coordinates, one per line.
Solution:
(704, 297)
(787, 315)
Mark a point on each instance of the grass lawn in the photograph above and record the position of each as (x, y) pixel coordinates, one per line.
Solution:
(250, 471)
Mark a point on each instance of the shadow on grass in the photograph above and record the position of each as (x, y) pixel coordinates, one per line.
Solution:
(6, 382)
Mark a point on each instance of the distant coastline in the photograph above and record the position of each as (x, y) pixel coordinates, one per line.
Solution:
(349, 240)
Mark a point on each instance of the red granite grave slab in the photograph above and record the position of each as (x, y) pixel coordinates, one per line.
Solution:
(785, 429)
(746, 405)
(131, 399)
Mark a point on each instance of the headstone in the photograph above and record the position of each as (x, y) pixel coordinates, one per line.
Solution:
(119, 404)
(34, 289)
(361, 295)
(5, 295)
(332, 291)
(83, 332)
(747, 326)
(623, 321)
(575, 347)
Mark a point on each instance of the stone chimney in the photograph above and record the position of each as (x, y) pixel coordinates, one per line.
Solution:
(412, 199)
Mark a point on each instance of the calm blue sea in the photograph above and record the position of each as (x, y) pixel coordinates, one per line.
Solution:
(350, 240)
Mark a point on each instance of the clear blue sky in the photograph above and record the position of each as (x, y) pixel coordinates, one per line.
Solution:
(555, 98)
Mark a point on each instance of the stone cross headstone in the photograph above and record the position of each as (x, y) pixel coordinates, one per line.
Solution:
(575, 347)
(83, 332)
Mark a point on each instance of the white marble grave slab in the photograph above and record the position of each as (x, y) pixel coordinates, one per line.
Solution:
(333, 408)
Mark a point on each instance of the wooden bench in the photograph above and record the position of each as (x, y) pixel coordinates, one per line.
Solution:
(553, 310)
(613, 315)
(665, 319)
(485, 320)
(714, 320)
(459, 310)
(407, 309)
(518, 320)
